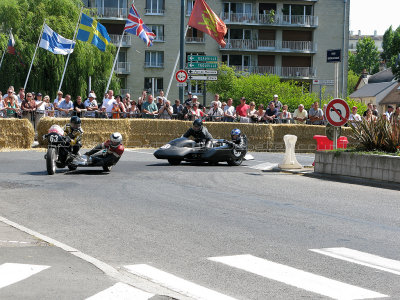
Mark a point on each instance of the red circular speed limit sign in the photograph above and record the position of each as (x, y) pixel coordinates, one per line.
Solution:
(181, 76)
(337, 112)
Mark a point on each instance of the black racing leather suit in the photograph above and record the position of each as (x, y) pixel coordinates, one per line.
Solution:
(200, 136)
(240, 143)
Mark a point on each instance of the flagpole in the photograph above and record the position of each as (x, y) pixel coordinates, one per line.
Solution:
(5, 50)
(69, 54)
(115, 61)
(176, 64)
(34, 54)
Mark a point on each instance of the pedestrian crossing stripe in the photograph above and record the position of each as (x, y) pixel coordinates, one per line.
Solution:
(11, 273)
(175, 283)
(297, 278)
(121, 291)
(362, 258)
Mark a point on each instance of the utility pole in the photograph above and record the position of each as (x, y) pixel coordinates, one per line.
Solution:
(182, 46)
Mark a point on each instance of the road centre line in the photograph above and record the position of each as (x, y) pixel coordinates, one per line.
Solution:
(11, 273)
(362, 258)
(297, 278)
(175, 283)
(121, 291)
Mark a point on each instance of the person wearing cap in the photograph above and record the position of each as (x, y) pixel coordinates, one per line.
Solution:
(177, 109)
(354, 116)
(389, 112)
(277, 103)
(195, 101)
(91, 105)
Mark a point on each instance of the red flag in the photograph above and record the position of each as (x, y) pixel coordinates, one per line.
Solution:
(205, 20)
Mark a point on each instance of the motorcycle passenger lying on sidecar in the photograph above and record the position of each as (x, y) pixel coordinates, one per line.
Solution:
(112, 151)
(199, 133)
(239, 140)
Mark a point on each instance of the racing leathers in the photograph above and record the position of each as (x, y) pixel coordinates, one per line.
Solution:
(240, 143)
(74, 136)
(111, 155)
(200, 136)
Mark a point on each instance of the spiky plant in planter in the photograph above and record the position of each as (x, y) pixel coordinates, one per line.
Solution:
(379, 135)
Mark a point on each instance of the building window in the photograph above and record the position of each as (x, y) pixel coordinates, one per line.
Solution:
(189, 6)
(194, 36)
(158, 30)
(240, 62)
(297, 10)
(154, 59)
(155, 7)
(158, 84)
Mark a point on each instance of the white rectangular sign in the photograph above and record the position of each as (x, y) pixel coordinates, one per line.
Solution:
(203, 77)
(203, 72)
(181, 84)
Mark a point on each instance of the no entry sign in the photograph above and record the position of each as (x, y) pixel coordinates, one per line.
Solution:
(337, 112)
(181, 76)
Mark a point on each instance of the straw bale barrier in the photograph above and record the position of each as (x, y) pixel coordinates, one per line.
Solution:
(150, 133)
(16, 134)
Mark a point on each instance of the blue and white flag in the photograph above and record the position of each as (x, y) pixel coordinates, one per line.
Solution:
(55, 43)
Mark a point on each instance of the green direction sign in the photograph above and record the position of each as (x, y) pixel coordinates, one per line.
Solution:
(202, 65)
(202, 58)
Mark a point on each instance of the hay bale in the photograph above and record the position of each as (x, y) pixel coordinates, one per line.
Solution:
(16, 133)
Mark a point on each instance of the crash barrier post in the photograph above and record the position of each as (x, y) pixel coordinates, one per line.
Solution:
(289, 160)
(144, 133)
(16, 133)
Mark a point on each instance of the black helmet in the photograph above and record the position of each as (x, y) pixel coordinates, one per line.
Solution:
(75, 122)
(197, 124)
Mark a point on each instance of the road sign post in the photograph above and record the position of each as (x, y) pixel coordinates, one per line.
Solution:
(337, 114)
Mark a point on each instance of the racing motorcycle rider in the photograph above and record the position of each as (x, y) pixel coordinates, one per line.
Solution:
(113, 151)
(200, 133)
(239, 140)
(73, 133)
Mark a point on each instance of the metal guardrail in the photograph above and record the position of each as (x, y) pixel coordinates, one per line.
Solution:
(266, 19)
(126, 41)
(271, 45)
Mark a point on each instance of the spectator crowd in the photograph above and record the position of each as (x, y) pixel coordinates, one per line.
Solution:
(34, 106)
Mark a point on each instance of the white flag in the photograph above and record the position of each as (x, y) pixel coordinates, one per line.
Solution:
(55, 43)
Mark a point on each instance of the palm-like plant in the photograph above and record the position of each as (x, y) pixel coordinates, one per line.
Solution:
(379, 135)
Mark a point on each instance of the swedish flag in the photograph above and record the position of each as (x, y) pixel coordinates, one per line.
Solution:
(93, 32)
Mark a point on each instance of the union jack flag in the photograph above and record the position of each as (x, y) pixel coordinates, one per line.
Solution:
(134, 25)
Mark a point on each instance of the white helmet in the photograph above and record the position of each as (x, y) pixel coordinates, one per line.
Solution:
(116, 139)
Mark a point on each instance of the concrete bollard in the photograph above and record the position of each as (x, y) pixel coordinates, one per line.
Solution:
(290, 161)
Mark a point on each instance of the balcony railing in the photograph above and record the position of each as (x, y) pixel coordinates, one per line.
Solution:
(190, 39)
(126, 41)
(265, 19)
(111, 12)
(154, 11)
(148, 64)
(270, 45)
(123, 68)
(283, 72)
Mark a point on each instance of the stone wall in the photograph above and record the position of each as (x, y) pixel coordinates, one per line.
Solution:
(378, 167)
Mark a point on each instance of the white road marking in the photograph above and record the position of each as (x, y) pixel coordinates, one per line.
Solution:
(298, 278)
(11, 273)
(263, 166)
(121, 291)
(136, 151)
(362, 258)
(14, 242)
(174, 283)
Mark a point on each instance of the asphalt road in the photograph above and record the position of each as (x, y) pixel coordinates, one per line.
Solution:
(237, 231)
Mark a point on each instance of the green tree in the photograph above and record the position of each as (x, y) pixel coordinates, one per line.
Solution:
(366, 57)
(352, 80)
(387, 44)
(26, 17)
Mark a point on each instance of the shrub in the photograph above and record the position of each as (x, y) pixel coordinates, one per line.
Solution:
(376, 136)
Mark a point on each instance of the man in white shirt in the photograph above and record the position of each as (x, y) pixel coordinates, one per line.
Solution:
(300, 115)
(229, 111)
(216, 99)
(108, 103)
(91, 105)
(389, 112)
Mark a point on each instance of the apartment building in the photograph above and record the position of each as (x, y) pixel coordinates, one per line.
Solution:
(286, 38)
